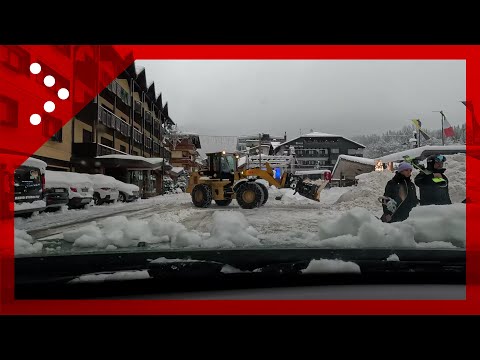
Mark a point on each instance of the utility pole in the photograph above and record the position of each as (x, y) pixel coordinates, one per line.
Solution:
(441, 113)
(260, 150)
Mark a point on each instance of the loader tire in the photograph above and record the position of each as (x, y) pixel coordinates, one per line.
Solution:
(202, 195)
(265, 192)
(249, 195)
(223, 202)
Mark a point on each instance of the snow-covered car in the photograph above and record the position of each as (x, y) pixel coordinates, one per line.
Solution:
(56, 197)
(29, 187)
(105, 189)
(127, 192)
(79, 186)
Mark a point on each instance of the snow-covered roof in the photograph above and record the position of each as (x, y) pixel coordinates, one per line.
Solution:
(35, 163)
(424, 151)
(311, 172)
(153, 161)
(275, 144)
(177, 169)
(351, 166)
(357, 159)
(321, 135)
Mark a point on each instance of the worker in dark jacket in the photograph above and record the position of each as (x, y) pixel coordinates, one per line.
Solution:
(434, 186)
(402, 190)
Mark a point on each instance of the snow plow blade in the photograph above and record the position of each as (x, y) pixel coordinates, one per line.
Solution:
(310, 190)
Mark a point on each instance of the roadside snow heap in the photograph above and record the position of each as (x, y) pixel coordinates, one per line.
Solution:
(372, 185)
(25, 245)
(230, 229)
(435, 226)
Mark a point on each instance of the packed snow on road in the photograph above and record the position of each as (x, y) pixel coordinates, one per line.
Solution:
(346, 217)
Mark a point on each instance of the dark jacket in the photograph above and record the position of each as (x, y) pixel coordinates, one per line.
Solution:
(403, 191)
(433, 193)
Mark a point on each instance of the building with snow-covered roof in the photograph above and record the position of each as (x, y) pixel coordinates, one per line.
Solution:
(253, 142)
(348, 167)
(318, 150)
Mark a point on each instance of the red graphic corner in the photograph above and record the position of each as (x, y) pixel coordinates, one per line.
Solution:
(41, 89)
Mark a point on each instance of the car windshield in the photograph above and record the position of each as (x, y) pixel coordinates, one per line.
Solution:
(314, 155)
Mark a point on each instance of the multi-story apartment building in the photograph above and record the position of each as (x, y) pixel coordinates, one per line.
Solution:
(319, 150)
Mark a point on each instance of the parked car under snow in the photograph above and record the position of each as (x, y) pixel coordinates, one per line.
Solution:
(105, 189)
(80, 187)
(127, 192)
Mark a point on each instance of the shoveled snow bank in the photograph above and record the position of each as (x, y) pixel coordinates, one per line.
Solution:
(439, 226)
(331, 266)
(116, 276)
(35, 205)
(372, 185)
(230, 229)
(25, 245)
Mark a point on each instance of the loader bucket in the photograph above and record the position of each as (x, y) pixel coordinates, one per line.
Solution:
(311, 190)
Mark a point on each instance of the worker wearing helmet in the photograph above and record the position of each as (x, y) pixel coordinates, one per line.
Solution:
(433, 185)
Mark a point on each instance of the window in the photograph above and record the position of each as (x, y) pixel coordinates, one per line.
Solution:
(185, 154)
(123, 148)
(106, 142)
(8, 112)
(87, 136)
(335, 151)
(352, 151)
(137, 136)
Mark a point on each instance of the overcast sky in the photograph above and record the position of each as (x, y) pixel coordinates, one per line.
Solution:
(340, 97)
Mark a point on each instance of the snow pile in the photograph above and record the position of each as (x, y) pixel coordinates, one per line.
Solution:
(230, 229)
(372, 185)
(436, 226)
(118, 231)
(365, 194)
(25, 245)
(328, 266)
(439, 223)
(456, 173)
(35, 205)
(116, 276)
(393, 257)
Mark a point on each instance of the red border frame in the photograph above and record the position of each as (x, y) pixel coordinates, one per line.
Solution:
(338, 52)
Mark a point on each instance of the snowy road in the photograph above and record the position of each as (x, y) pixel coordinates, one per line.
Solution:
(291, 213)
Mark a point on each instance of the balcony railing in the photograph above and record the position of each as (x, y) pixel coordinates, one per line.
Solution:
(137, 106)
(137, 137)
(112, 121)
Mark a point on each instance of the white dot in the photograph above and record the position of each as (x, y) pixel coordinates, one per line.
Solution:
(35, 68)
(49, 81)
(63, 94)
(35, 119)
(49, 106)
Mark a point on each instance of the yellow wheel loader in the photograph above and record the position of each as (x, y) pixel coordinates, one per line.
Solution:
(220, 181)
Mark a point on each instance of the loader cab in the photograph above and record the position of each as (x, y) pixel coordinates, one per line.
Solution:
(221, 165)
